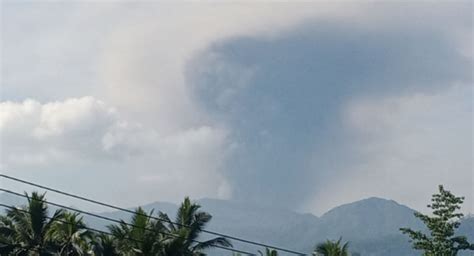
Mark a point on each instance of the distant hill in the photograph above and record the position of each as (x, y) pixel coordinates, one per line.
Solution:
(372, 217)
(371, 225)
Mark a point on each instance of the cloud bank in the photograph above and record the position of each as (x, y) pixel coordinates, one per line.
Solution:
(85, 133)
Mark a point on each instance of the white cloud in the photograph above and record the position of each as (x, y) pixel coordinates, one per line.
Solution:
(86, 132)
(32, 130)
(76, 116)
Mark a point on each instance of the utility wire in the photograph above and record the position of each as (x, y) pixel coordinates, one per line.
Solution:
(65, 222)
(122, 222)
(156, 218)
(107, 233)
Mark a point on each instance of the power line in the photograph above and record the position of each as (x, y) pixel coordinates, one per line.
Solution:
(65, 222)
(123, 222)
(156, 218)
(110, 234)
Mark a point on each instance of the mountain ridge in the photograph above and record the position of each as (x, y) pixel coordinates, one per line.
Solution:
(371, 224)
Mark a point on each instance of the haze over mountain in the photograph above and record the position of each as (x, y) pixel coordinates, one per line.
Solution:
(371, 225)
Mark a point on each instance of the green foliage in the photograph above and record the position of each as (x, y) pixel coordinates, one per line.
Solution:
(269, 252)
(71, 234)
(441, 241)
(332, 248)
(30, 230)
(104, 245)
(190, 223)
(141, 237)
(33, 230)
(26, 230)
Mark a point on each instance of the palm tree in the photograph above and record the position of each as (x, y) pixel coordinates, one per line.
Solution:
(269, 252)
(31, 231)
(332, 248)
(103, 245)
(181, 237)
(71, 233)
(142, 236)
(30, 226)
(7, 236)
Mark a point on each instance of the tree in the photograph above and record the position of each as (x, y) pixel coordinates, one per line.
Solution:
(72, 235)
(269, 252)
(181, 237)
(441, 241)
(142, 236)
(32, 231)
(7, 236)
(104, 245)
(332, 248)
(30, 225)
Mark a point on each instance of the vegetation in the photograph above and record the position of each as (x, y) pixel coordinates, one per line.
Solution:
(441, 241)
(35, 230)
(268, 252)
(332, 248)
(70, 234)
(31, 230)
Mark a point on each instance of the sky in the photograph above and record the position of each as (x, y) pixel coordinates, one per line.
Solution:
(303, 106)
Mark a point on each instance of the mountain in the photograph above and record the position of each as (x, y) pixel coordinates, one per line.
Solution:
(371, 225)
(372, 218)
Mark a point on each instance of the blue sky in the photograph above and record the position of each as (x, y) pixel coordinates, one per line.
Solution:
(302, 106)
